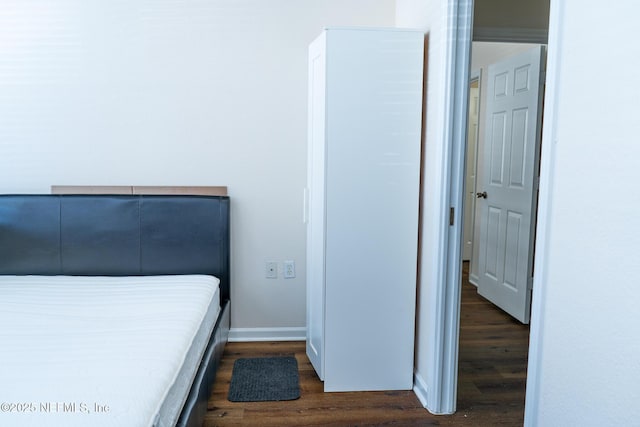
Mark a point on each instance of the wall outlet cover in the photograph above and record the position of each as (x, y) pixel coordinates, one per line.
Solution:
(271, 270)
(289, 269)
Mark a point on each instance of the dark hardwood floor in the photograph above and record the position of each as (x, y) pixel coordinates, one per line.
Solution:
(491, 388)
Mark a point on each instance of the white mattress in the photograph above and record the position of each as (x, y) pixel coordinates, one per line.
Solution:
(100, 351)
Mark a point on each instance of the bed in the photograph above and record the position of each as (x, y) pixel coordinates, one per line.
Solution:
(115, 308)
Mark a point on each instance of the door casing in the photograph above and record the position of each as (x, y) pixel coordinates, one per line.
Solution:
(442, 384)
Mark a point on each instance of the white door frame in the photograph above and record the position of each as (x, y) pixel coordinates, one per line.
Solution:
(443, 388)
(443, 383)
(551, 99)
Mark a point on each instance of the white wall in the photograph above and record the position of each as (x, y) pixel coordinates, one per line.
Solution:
(583, 361)
(171, 92)
(430, 16)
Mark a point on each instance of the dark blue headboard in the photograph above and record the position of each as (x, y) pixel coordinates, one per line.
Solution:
(103, 235)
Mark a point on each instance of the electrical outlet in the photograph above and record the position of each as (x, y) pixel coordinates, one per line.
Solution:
(289, 269)
(271, 270)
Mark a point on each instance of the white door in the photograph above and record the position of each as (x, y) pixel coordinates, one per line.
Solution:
(507, 190)
(470, 175)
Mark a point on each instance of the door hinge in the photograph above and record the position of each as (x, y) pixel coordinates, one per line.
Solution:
(452, 215)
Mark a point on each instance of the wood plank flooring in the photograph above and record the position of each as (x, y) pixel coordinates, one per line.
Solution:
(492, 376)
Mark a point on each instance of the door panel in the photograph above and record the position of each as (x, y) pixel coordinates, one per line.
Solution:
(518, 148)
(514, 225)
(492, 242)
(497, 143)
(510, 155)
(315, 209)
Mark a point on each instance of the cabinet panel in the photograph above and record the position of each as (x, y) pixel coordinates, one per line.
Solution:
(316, 195)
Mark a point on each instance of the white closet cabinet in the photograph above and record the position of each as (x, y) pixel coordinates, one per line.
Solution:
(365, 109)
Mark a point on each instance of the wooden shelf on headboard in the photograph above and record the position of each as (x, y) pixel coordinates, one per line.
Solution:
(139, 189)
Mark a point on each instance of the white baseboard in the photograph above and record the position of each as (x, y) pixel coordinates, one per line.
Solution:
(267, 334)
(420, 388)
(474, 280)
